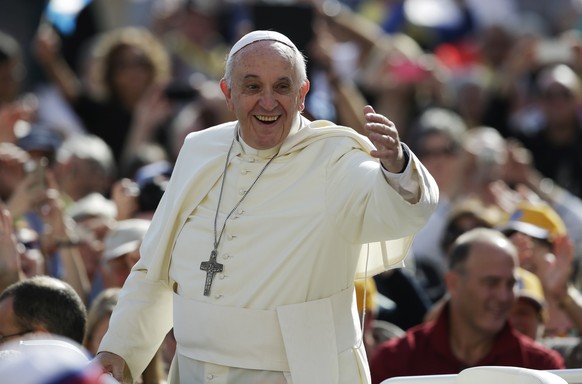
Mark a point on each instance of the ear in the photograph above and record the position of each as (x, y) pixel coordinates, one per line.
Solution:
(451, 280)
(302, 93)
(227, 91)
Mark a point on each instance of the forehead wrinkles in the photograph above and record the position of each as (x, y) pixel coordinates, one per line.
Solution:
(269, 52)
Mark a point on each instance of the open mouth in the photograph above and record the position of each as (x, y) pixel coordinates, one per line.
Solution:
(267, 119)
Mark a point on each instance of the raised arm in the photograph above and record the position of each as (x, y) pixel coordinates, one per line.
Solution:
(383, 134)
(10, 271)
(47, 51)
(62, 239)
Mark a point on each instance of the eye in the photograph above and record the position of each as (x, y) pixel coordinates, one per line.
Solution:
(490, 282)
(283, 88)
(251, 86)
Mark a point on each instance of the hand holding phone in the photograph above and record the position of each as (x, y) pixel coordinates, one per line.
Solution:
(37, 168)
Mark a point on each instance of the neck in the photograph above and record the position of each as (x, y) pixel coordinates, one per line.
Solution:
(470, 351)
(468, 344)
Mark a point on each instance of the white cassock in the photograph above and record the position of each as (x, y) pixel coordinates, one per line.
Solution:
(283, 308)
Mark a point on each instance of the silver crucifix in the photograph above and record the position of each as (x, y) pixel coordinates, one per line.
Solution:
(211, 267)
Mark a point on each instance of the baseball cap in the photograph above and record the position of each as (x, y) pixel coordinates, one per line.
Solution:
(529, 287)
(124, 237)
(537, 220)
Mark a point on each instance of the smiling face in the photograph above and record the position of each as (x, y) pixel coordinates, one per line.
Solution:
(266, 92)
(482, 291)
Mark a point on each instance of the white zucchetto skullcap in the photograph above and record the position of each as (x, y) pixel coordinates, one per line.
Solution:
(255, 36)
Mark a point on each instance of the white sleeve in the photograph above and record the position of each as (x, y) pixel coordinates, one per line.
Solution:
(405, 183)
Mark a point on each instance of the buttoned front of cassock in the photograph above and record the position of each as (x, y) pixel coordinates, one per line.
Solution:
(257, 261)
(196, 238)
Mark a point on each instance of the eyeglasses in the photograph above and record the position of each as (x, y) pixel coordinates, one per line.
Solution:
(3, 338)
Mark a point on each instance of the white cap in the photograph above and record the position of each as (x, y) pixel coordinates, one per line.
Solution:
(260, 35)
(124, 237)
(92, 205)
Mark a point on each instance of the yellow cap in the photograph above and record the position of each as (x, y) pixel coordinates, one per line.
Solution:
(528, 286)
(537, 220)
(371, 292)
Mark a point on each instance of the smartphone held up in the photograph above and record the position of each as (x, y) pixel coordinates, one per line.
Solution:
(37, 168)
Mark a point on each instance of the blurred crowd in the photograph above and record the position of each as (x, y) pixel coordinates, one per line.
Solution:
(97, 96)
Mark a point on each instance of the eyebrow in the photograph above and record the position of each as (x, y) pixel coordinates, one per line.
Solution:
(253, 77)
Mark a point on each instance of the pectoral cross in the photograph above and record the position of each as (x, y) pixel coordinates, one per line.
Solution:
(211, 267)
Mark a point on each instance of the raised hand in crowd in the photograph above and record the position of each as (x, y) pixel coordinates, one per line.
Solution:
(47, 48)
(555, 269)
(59, 239)
(23, 187)
(124, 194)
(555, 273)
(150, 112)
(10, 270)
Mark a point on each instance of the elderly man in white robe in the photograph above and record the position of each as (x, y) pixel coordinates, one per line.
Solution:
(266, 222)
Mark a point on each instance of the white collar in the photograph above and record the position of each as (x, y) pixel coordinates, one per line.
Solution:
(267, 153)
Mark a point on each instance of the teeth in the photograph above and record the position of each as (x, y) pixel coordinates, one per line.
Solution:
(267, 118)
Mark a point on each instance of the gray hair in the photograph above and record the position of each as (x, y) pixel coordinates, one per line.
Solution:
(298, 60)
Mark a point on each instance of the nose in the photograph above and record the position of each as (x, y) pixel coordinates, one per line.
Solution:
(268, 101)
